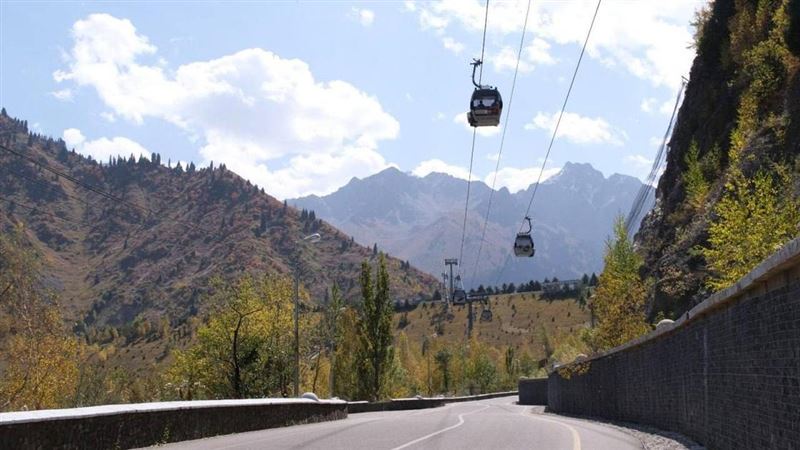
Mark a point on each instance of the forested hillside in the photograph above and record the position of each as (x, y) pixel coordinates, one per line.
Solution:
(132, 267)
(729, 195)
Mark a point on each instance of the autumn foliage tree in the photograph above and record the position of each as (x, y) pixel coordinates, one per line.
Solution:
(619, 300)
(375, 331)
(41, 357)
(245, 349)
(753, 219)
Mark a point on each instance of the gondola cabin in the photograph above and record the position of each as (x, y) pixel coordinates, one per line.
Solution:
(485, 107)
(459, 296)
(523, 245)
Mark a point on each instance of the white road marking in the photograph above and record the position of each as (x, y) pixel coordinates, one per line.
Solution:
(428, 436)
(576, 438)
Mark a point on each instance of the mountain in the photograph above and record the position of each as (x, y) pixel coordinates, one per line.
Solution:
(146, 254)
(421, 219)
(740, 117)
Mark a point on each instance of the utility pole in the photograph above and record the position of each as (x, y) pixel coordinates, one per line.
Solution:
(312, 238)
(296, 332)
(451, 262)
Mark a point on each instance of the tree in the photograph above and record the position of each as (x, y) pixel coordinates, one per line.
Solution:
(694, 180)
(375, 333)
(593, 280)
(754, 218)
(619, 300)
(43, 372)
(437, 295)
(443, 358)
(585, 279)
(245, 350)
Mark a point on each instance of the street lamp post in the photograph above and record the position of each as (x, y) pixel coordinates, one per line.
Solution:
(312, 238)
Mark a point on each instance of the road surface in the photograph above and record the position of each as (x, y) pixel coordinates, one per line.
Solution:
(485, 424)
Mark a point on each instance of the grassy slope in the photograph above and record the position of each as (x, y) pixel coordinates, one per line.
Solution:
(518, 320)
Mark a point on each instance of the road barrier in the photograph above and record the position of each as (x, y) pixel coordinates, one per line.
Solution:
(400, 404)
(726, 374)
(533, 391)
(145, 424)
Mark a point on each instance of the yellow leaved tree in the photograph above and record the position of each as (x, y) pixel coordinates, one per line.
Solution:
(753, 219)
(619, 301)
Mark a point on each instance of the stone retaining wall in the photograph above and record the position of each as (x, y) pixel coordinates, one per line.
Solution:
(139, 425)
(533, 391)
(727, 373)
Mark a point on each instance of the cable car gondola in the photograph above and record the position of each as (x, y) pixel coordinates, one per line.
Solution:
(486, 312)
(486, 104)
(459, 294)
(459, 297)
(523, 244)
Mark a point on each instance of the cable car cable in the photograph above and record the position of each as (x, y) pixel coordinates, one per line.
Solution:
(561, 114)
(502, 142)
(472, 151)
(663, 151)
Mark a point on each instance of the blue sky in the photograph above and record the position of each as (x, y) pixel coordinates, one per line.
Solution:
(300, 96)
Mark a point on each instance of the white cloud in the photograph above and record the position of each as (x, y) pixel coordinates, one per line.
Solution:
(65, 95)
(102, 149)
(264, 116)
(666, 107)
(648, 104)
(516, 179)
(461, 118)
(108, 117)
(648, 39)
(655, 141)
(452, 45)
(365, 16)
(437, 165)
(651, 105)
(638, 161)
(493, 156)
(538, 52)
(578, 129)
(506, 59)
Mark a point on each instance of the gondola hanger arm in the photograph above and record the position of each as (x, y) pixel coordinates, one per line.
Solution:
(475, 63)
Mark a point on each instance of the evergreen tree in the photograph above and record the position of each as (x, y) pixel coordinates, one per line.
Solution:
(585, 279)
(593, 280)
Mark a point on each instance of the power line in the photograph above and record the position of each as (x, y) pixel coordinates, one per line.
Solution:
(47, 185)
(38, 209)
(502, 141)
(561, 114)
(474, 134)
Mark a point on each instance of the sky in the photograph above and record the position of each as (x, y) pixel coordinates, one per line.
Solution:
(301, 96)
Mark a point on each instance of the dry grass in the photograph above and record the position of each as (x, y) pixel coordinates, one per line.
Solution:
(520, 320)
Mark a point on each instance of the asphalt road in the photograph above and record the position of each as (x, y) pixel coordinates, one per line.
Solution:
(485, 424)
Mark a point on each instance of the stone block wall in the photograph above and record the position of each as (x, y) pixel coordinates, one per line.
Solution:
(727, 374)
